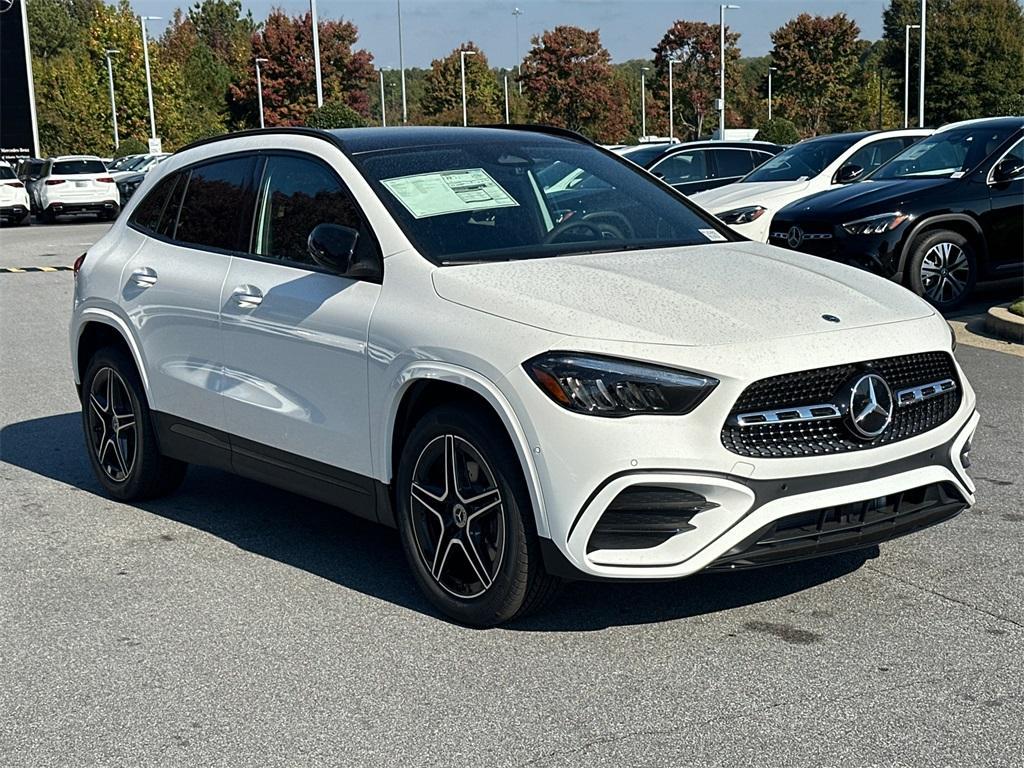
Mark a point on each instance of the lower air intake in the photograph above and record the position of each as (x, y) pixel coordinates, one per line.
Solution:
(644, 516)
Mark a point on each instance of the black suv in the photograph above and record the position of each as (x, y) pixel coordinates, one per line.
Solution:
(940, 215)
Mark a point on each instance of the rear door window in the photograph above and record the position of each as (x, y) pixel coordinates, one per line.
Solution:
(683, 167)
(875, 154)
(216, 211)
(732, 162)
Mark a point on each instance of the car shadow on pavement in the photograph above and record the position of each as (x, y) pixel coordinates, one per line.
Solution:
(368, 558)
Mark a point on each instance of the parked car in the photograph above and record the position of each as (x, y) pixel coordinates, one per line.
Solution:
(139, 164)
(937, 217)
(811, 166)
(697, 166)
(127, 185)
(14, 206)
(395, 322)
(641, 154)
(120, 163)
(75, 184)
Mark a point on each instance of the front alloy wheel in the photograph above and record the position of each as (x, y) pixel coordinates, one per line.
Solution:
(465, 518)
(457, 516)
(945, 272)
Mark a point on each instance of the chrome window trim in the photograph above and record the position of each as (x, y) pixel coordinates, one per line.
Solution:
(988, 177)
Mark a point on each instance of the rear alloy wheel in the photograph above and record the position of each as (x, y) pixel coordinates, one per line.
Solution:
(943, 269)
(119, 433)
(466, 521)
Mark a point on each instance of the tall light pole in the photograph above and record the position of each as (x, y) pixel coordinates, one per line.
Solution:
(462, 66)
(259, 88)
(721, 79)
(770, 70)
(113, 106)
(316, 53)
(906, 73)
(149, 79)
(401, 64)
(516, 13)
(671, 102)
(506, 100)
(643, 102)
(920, 85)
(383, 110)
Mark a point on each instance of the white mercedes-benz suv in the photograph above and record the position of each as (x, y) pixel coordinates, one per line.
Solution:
(529, 385)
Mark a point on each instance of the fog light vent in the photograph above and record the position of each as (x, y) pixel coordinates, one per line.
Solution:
(965, 454)
(644, 516)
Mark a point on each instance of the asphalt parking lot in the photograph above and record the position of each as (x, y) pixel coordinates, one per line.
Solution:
(234, 624)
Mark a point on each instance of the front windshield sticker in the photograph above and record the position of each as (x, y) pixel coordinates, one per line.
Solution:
(436, 194)
(713, 235)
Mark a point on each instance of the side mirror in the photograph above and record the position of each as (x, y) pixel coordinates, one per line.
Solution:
(332, 246)
(848, 173)
(1007, 169)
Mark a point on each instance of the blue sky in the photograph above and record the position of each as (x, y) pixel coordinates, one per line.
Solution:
(629, 28)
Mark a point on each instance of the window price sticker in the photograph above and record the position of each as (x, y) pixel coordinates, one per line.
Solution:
(437, 194)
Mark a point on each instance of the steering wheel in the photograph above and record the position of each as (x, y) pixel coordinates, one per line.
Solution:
(621, 229)
(565, 226)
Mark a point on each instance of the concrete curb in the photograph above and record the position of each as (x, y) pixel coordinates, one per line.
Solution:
(1002, 323)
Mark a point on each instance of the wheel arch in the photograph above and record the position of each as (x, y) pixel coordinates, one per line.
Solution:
(423, 386)
(99, 328)
(960, 223)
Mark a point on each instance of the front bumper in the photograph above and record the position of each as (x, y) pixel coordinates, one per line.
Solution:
(877, 253)
(763, 522)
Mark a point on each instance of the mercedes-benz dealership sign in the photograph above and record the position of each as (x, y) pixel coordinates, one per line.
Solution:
(19, 134)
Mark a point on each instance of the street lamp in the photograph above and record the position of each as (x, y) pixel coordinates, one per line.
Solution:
(920, 85)
(383, 110)
(113, 107)
(516, 13)
(671, 102)
(401, 64)
(259, 88)
(149, 79)
(721, 89)
(643, 102)
(770, 70)
(506, 100)
(906, 73)
(316, 53)
(462, 65)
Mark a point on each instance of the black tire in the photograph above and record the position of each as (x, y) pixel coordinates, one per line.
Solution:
(25, 219)
(942, 268)
(47, 216)
(505, 534)
(109, 215)
(126, 459)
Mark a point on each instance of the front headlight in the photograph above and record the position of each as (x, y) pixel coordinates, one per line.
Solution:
(743, 215)
(876, 225)
(607, 386)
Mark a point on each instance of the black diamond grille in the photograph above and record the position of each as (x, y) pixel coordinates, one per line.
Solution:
(810, 438)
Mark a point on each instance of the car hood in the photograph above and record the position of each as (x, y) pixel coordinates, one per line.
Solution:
(864, 196)
(767, 193)
(697, 295)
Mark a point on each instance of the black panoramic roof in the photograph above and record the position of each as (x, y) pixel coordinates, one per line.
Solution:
(358, 140)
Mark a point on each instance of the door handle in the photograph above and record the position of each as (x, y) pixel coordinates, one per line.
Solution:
(247, 296)
(144, 277)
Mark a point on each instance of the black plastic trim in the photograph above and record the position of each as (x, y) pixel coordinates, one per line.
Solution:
(198, 444)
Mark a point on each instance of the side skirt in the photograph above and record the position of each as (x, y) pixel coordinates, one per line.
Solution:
(198, 444)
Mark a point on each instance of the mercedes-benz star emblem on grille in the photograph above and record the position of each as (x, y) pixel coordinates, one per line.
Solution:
(795, 237)
(871, 405)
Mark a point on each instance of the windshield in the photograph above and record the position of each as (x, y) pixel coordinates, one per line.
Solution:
(946, 154)
(488, 201)
(6, 172)
(802, 161)
(75, 167)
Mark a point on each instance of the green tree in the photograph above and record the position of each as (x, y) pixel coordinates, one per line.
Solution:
(569, 83)
(335, 114)
(974, 58)
(818, 65)
(696, 47)
(442, 98)
(778, 130)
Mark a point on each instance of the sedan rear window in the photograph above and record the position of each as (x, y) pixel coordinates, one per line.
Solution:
(76, 167)
(502, 200)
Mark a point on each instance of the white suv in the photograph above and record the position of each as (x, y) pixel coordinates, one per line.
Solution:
(14, 205)
(812, 166)
(402, 322)
(75, 184)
